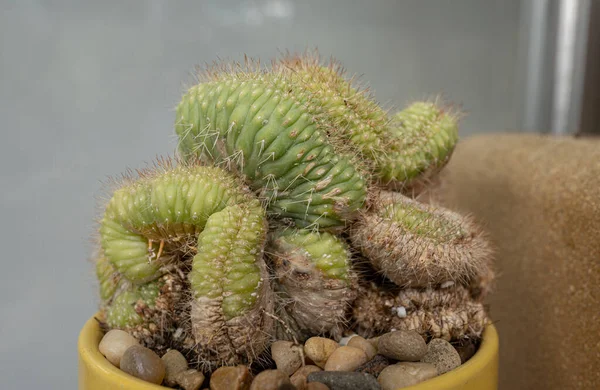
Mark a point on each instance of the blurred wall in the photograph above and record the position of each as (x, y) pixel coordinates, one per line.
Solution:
(87, 89)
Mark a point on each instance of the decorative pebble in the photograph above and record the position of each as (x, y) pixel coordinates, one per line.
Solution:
(189, 379)
(374, 366)
(346, 359)
(346, 339)
(287, 356)
(174, 364)
(317, 386)
(143, 363)
(405, 374)
(114, 344)
(374, 341)
(231, 378)
(361, 343)
(442, 355)
(318, 349)
(403, 345)
(299, 377)
(466, 349)
(339, 380)
(270, 380)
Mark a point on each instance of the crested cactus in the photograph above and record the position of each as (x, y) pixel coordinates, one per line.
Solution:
(282, 193)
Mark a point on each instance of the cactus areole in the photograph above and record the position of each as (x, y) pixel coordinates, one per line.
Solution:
(286, 215)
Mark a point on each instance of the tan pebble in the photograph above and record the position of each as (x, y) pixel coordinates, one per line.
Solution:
(374, 341)
(143, 363)
(231, 378)
(318, 349)
(346, 359)
(317, 386)
(405, 374)
(114, 344)
(287, 356)
(189, 379)
(270, 380)
(361, 343)
(403, 345)
(299, 377)
(442, 355)
(174, 364)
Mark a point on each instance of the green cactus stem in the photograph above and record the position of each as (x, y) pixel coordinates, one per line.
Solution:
(263, 127)
(418, 245)
(403, 151)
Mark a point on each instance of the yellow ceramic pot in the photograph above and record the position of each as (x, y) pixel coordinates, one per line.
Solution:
(96, 373)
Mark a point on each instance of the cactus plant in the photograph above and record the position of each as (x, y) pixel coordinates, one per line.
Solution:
(277, 221)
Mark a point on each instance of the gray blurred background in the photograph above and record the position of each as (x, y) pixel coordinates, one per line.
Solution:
(87, 89)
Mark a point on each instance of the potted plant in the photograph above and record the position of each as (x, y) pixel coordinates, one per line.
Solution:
(288, 223)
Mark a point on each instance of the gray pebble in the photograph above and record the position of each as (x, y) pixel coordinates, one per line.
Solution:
(442, 355)
(317, 386)
(340, 380)
(402, 345)
(143, 363)
(405, 374)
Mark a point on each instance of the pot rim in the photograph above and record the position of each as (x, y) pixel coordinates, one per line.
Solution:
(98, 366)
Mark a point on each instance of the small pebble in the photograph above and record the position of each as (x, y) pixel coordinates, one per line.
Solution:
(346, 339)
(374, 341)
(466, 349)
(143, 363)
(114, 344)
(403, 345)
(231, 378)
(339, 380)
(316, 386)
(287, 356)
(299, 377)
(189, 379)
(174, 364)
(346, 359)
(442, 355)
(270, 380)
(405, 374)
(374, 366)
(318, 349)
(361, 343)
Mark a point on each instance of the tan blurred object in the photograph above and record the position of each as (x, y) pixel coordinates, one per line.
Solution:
(539, 199)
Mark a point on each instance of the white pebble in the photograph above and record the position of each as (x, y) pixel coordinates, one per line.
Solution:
(345, 340)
